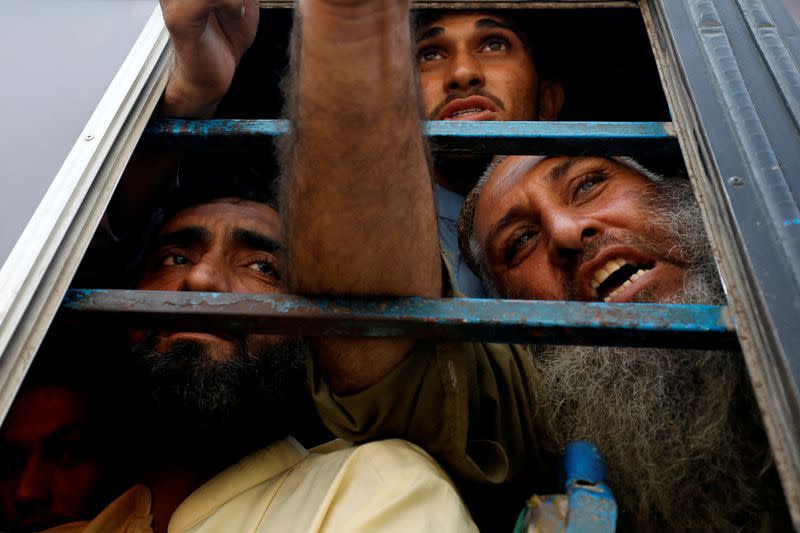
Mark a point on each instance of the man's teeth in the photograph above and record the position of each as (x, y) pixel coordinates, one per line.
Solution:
(636, 275)
(606, 270)
(611, 267)
(463, 112)
(618, 289)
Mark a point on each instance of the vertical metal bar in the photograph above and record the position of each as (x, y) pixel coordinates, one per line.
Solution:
(740, 141)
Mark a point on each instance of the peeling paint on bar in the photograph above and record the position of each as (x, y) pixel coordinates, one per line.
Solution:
(568, 138)
(699, 326)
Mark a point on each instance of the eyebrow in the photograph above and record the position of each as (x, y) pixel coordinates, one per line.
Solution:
(561, 169)
(435, 31)
(75, 429)
(255, 240)
(183, 237)
(514, 214)
(430, 33)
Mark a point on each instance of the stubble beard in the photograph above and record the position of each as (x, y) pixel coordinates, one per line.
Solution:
(679, 428)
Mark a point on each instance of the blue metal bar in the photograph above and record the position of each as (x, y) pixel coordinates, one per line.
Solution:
(567, 138)
(592, 507)
(518, 321)
(587, 504)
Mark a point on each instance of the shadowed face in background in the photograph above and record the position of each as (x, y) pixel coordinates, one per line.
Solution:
(49, 467)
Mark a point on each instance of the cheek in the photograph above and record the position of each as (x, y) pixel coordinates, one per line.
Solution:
(248, 283)
(671, 280)
(525, 99)
(72, 488)
(533, 279)
(430, 98)
(519, 90)
(169, 280)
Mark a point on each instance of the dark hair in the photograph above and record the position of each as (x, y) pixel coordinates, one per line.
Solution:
(531, 28)
(201, 179)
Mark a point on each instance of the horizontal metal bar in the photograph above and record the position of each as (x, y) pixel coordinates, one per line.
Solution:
(489, 4)
(567, 138)
(517, 321)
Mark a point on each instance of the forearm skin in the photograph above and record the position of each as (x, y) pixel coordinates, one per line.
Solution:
(360, 214)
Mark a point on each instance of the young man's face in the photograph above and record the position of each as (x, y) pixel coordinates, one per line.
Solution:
(227, 245)
(49, 468)
(575, 228)
(474, 66)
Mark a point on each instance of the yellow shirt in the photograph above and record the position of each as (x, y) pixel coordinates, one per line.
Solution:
(383, 486)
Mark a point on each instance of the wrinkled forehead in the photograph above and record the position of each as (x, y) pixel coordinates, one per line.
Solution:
(509, 175)
(227, 212)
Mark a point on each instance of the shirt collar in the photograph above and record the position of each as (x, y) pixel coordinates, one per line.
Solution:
(448, 203)
(247, 473)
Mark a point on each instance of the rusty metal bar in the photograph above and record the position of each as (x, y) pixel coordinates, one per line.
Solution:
(516, 321)
(567, 138)
(489, 4)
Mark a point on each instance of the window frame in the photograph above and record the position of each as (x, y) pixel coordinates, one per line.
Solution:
(717, 80)
(40, 267)
(750, 249)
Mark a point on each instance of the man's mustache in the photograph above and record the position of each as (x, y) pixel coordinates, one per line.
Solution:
(458, 96)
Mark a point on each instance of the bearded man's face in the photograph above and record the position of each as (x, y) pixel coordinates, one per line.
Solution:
(576, 228)
(218, 382)
(679, 428)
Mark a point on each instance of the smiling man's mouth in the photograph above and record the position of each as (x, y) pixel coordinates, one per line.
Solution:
(616, 275)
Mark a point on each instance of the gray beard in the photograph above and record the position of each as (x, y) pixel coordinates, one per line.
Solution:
(679, 428)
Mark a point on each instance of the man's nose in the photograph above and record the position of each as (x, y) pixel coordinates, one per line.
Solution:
(210, 274)
(34, 482)
(569, 233)
(466, 72)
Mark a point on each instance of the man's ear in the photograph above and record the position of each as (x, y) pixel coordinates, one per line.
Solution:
(551, 98)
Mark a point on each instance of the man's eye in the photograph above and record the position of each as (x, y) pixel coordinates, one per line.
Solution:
(495, 44)
(69, 454)
(428, 54)
(264, 267)
(174, 259)
(72, 457)
(587, 183)
(517, 243)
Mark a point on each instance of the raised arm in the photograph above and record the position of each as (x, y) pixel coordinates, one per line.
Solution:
(209, 38)
(360, 218)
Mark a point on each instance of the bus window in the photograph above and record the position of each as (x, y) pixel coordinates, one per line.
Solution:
(627, 63)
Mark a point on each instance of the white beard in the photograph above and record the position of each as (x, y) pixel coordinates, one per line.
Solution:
(679, 428)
